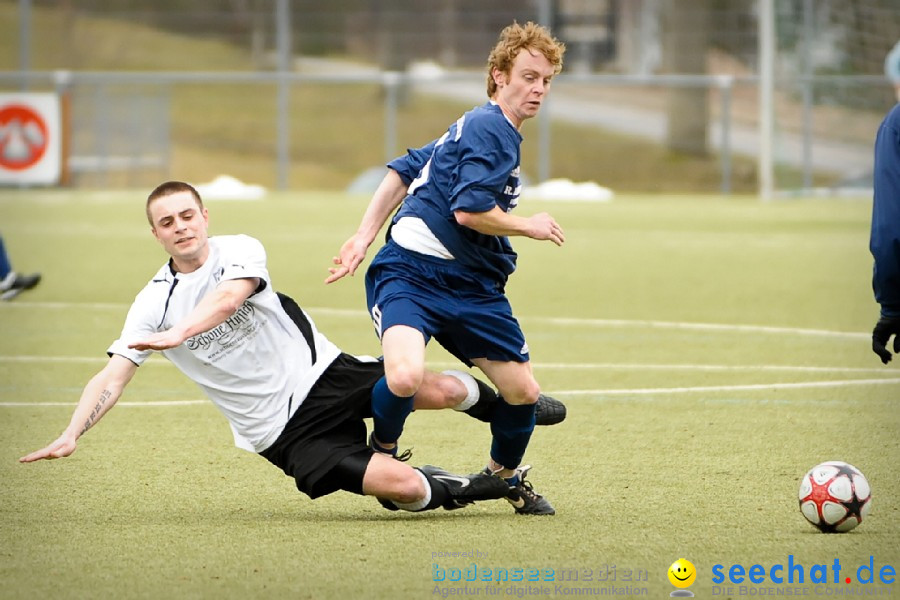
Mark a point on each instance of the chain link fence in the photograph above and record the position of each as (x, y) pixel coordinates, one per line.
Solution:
(657, 95)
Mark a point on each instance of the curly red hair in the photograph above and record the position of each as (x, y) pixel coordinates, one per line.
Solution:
(513, 39)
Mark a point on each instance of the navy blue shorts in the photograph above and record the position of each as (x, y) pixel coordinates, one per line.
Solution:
(463, 311)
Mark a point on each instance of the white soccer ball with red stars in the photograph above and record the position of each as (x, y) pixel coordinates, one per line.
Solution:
(835, 496)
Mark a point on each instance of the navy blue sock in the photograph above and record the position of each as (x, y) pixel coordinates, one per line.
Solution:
(389, 412)
(511, 426)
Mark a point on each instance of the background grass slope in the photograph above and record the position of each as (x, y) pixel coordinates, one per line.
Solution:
(336, 131)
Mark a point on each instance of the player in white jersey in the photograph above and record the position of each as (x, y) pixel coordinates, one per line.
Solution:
(288, 393)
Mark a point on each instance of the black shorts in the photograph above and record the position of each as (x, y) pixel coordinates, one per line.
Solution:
(324, 445)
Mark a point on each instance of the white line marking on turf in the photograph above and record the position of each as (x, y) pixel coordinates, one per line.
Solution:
(73, 359)
(726, 388)
(564, 321)
(600, 392)
(139, 404)
(344, 312)
(701, 326)
(536, 365)
(687, 367)
(66, 305)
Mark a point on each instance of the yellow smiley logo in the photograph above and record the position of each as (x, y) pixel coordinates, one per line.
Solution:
(682, 573)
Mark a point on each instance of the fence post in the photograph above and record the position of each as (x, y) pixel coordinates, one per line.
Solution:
(391, 82)
(766, 27)
(725, 83)
(62, 80)
(808, 32)
(25, 40)
(283, 21)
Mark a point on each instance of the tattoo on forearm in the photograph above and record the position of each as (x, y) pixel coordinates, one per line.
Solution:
(95, 414)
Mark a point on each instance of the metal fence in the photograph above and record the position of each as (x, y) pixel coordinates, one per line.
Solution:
(121, 123)
(637, 84)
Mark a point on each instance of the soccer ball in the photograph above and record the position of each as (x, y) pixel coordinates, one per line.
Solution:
(835, 496)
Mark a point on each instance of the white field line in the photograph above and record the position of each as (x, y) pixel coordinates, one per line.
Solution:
(560, 321)
(703, 327)
(68, 305)
(684, 367)
(86, 360)
(123, 403)
(564, 393)
(537, 365)
(728, 388)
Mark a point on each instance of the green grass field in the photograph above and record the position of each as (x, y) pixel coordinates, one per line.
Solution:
(710, 352)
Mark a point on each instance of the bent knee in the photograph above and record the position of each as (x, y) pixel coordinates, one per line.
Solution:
(406, 488)
(447, 391)
(404, 381)
(525, 392)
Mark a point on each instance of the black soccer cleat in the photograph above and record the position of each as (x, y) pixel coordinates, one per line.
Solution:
(26, 282)
(19, 284)
(547, 410)
(466, 489)
(523, 497)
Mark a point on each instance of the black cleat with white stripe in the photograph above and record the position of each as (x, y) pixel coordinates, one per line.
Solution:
(466, 489)
(521, 495)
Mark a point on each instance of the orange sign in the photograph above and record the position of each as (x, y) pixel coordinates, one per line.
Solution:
(30, 139)
(23, 137)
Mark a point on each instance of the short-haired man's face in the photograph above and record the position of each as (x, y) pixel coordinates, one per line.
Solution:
(521, 93)
(180, 225)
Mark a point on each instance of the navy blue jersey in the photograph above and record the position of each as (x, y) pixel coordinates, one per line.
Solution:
(473, 168)
(885, 239)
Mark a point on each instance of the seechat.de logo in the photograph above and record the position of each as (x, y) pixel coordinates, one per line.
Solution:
(795, 572)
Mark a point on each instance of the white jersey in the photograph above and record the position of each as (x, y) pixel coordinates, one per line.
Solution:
(257, 366)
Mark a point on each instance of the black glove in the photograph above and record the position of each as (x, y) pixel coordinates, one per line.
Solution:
(884, 329)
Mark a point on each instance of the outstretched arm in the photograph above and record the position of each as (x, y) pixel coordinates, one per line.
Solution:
(99, 395)
(387, 198)
(212, 311)
(497, 222)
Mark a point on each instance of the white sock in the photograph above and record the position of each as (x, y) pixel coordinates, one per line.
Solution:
(418, 504)
(471, 389)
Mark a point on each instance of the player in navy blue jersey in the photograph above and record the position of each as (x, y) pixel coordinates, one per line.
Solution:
(885, 238)
(444, 268)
